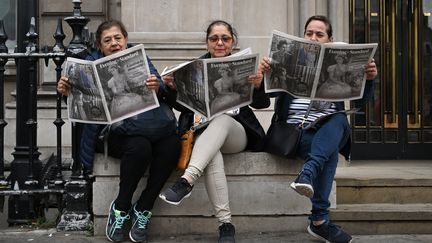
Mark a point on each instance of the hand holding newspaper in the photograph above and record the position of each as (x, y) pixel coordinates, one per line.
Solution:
(109, 89)
(317, 71)
(217, 85)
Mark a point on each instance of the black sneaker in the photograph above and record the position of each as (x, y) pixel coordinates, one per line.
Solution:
(329, 232)
(179, 191)
(140, 221)
(303, 185)
(226, 233)
(115, 224)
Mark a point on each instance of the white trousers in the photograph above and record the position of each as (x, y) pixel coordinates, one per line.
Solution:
(223, 135)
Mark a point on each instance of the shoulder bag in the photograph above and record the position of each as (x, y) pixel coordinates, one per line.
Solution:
(187, 141)
(282, 138)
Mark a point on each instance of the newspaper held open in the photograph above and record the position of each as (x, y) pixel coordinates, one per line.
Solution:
(216, 85)
(109, 89)
(317, 71)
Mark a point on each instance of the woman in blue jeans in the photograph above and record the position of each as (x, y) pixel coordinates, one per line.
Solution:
(320, 146)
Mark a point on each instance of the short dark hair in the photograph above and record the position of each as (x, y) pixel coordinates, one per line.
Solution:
(106, 25)
(323, 19)
(281, 43)
(231, 29)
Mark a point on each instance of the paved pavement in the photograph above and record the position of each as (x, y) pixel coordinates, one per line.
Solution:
(51, 236)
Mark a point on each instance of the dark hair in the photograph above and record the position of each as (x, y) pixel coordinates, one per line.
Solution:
(323, 19)
(232, 31)
(107, 25)
(281, 43)
(227, 69)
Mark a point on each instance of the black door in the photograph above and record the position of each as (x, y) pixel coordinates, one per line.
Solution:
(397, 123)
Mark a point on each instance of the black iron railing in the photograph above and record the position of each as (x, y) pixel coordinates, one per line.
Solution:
(30, 181)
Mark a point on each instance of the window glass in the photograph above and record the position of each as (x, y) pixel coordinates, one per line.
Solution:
(8, 15)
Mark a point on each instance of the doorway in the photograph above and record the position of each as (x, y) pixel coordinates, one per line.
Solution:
(397, 122)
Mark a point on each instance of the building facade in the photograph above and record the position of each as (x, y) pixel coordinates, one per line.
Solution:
(398, 121)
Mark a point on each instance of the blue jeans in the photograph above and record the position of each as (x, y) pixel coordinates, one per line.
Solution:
(320, 148)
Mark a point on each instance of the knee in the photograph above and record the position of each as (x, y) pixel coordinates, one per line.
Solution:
(220, 120)
(216, 165)
(340, 120)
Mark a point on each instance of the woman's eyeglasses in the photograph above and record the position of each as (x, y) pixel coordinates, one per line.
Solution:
(215, 39)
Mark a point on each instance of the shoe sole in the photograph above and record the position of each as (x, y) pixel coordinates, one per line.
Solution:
(303, 189)
(133, 240)
(161, 196)
(315, 235)
(320, 237)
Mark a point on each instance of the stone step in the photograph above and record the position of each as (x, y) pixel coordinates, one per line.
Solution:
(396, 193)
(384, 218)
(397, 183)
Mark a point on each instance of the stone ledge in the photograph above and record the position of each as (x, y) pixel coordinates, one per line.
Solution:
(249, 195)
(245, 163)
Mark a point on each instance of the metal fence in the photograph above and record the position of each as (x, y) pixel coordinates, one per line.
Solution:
(33, 186)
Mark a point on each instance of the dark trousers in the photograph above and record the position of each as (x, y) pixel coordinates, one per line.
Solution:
(136, 154)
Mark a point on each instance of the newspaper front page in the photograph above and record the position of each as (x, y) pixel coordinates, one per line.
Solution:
(109, 89)
(308, 69)
(217, 85)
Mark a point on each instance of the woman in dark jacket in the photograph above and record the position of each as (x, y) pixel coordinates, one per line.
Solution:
(224, 134)
(147, 139)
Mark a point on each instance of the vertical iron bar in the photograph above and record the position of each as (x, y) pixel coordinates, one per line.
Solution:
(76, 216)
(32, 183)
(19, 207)
(3, 123)
(59, 36)
(32, 120)
(76, 49)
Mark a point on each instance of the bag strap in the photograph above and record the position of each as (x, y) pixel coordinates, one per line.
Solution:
(306, 115)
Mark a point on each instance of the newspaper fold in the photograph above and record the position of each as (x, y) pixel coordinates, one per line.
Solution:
(317, 71)
(109, 89)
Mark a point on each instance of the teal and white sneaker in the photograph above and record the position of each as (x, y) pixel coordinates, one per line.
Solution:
(115, 225)
(140, 222)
